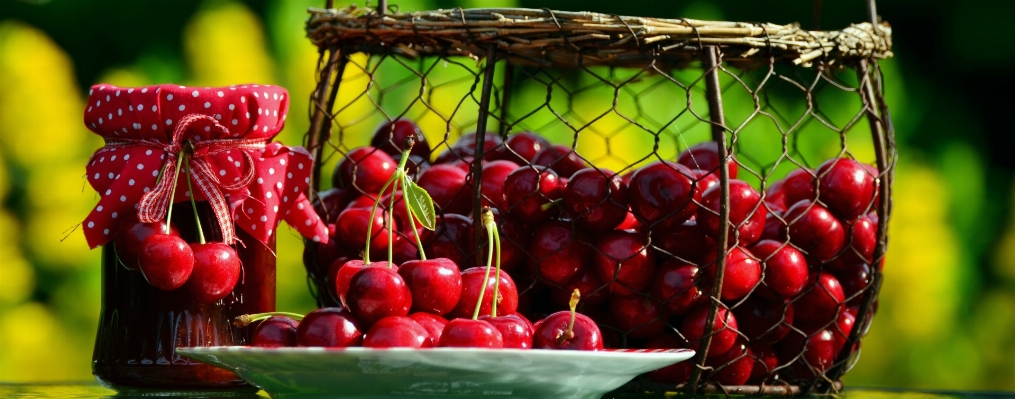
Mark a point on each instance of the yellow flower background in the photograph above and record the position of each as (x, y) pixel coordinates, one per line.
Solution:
(947, 306)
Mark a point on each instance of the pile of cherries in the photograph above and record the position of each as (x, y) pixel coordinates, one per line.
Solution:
(641, 245)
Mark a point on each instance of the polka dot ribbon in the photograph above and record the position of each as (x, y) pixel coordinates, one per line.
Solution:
(250, 182)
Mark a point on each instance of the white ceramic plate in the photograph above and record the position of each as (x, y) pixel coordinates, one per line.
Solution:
(455, 372)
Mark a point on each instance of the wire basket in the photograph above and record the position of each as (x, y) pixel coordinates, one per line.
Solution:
(628, 94)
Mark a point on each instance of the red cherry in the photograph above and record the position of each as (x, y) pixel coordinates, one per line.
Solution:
(684, 242)
(677, 373)
(742, 273)
(775, 197)
(433, 324)
(450, 239)
(447, 186)
(468, 333)
(329, 203)
(673, 285)
(814, 230)
(552, 333)
(365, 170)
(330, 328)
(661, 195)
(854, 279)
(775, 227)
(376, 293)
(623, 259)
(275, 332)
(523, 147)
(846, 187)
(703, 180)
(732, 367)
(397, 332)
(724, 334)
(765, 362)
(763, 321)
(129, 234)
(216, 271)
(597, 198)
(798, 185)
(785, 269)
(472, 283)
(705, 156)
(594, 290)
(863, 234)
(466, 147)
(436, 284)
(403, 248)
(637, 316)
(390, 138)
(561, 159)
(820, 305)
(345, 272)
(559, 256)
(351, 228)
(843, 327)
(515, 329)
(527, 189)
(514, 238)
(630, 223)
(818, 354)
(746, 212)
(166, 261)
(494, 175)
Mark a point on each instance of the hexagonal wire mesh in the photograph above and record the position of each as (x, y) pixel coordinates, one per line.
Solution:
(628, 204)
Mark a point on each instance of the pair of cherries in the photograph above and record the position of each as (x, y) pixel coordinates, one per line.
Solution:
(209, 270)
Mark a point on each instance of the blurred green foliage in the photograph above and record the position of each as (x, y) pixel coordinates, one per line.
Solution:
(947, 309)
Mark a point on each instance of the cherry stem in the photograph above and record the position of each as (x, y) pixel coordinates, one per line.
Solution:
(412, 224)
(494, 238)
(569, 334)
(551, 204)
(193, 204)
(172, 192)
(488, 223)
(391, 223)
(246, 319)
(373, 210)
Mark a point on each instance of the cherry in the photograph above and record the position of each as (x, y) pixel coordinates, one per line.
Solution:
(742, 273)
(863, 233)
(568, 330)
(559, 256)
(344, 273)
(562, 159)
(732, 367)
(329, 327)
(843, 326)
(589, 282)
(515, 329)
(433, 324)
(472, 284)
(775, 197)
(637, 316)
(365, 169)
(818, 354)
(705, 156)
(494, 174)
(746, 213)
(798, 185)
(528, 189)
(846, 187)
(464, 163)
(216, 271)
(597, 198)
(447, 186)
(390, 137)
(329, 203)
(819, 306)
(775, 227)
(854, 279)
(521, 148)
(765, 362)
(623, 259)
(673, 374)
(397, 332)
(275, 332)
(703, 180)
(661, 195)
(763, 321)
(166, 261)
(403, 248)
(684, 241)
(673, 285)
(724, 334)
(129, 234)
(469, 333)
(436, 284)
(466, 147)
(376, 293)
(514, 239)
(351, 228)
(785, 269)
(814, 230)
(630, 222)
(450, 238)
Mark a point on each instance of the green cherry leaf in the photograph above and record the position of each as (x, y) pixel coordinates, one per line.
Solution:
(420, 204)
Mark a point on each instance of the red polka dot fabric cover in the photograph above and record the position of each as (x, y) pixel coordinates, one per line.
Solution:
(259, 183)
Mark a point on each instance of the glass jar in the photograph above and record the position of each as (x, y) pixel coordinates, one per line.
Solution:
(141, 326)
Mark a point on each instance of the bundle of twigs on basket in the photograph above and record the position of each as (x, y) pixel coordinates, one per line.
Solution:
(718, 186)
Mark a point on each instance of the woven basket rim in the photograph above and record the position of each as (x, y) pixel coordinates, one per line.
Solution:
(547, 38)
